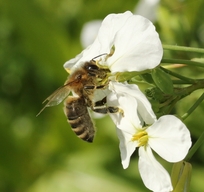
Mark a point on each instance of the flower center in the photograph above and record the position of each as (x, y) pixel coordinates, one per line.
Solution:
(141, 137)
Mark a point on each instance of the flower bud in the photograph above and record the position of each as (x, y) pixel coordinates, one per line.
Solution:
(181, 176)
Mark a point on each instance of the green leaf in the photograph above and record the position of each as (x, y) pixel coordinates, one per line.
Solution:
(148, 78)
(162, 81)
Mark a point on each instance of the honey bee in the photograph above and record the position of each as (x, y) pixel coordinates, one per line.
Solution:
(83, 82)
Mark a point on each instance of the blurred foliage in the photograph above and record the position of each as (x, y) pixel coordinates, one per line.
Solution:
(43, 154)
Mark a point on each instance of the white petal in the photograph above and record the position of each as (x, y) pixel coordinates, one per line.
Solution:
(112, 100)
(137, 46)
(129, 120)
(144, 107)
(128, 104)
(69, 64)
(170, 138)
(103, 42)
(154, 176)
(99, 94)
(127, 147)
(110, 26)
(86, 55)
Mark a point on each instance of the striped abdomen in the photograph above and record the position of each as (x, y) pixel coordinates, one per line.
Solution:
(79, 119)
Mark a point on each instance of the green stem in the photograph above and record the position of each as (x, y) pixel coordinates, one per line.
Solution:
(185, 91)
(185, 79)
(195, 147)
(183, 48)
(180, 82)
(180, 93)
(181, 61)
(195, 105)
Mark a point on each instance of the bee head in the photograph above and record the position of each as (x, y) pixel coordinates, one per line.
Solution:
(91, 68)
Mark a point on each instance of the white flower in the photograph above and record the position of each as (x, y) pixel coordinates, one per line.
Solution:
(137, 102)
(132, 39)
(167, 136)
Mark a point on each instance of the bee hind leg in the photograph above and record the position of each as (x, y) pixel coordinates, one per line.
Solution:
(100, 107)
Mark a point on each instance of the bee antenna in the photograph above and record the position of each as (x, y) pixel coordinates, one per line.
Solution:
(99, 56)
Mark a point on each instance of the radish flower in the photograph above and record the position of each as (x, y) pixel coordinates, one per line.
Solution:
(129, 41)
(139, 128)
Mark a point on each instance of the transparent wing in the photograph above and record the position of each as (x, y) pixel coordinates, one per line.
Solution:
(57, 97)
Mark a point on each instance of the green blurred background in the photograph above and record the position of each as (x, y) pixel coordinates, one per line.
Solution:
(43, 154)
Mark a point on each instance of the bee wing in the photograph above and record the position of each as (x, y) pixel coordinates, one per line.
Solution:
(57, 97)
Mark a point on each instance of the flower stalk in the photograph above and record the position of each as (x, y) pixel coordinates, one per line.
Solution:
(182, 48)
(182, 61)
(195, 147)
(195, 105)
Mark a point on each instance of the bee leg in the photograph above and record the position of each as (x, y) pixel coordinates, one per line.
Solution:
(94, 87)
(107, 109)
(100, 86)
(100, 107)
(102, 102)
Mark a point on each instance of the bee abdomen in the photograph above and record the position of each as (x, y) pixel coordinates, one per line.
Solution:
(79, 119)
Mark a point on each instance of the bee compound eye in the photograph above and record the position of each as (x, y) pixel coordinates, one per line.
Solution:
(91, 67)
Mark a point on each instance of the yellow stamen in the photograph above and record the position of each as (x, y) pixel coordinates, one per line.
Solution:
(141, 137)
